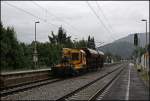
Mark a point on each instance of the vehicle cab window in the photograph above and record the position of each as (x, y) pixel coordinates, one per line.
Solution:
(75, 56)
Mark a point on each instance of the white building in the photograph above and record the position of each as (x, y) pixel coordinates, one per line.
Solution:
(145, 61)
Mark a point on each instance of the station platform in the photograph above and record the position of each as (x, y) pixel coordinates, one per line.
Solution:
(129, 86)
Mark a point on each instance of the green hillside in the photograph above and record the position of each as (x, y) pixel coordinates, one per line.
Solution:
(123, 49)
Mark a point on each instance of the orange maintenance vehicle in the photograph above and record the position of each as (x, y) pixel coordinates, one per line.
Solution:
(75, 61)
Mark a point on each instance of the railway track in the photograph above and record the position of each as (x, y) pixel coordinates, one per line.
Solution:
(93, 89)
(26, 86)
(23, 87)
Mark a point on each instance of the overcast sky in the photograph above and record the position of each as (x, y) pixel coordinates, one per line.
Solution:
(119, 18)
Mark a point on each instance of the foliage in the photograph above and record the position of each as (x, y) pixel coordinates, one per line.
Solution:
(60, 38)
(91, 43)
(17, 55)
(13, 53)
(139, 51)
(80, 44)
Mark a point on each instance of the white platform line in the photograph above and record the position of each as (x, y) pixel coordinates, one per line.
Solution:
(128, 86)
(107, 89)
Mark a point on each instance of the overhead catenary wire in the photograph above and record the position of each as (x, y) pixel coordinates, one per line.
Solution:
(103, 14)
(58, 18)
(99, 19)
(106, 19)
(29, 13)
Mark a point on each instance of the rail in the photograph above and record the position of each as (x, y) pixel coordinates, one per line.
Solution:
(119, 70)
(12, 79)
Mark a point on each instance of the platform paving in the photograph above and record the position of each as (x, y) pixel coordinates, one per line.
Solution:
(129, 86)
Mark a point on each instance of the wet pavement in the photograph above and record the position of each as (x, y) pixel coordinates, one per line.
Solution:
(128, 86)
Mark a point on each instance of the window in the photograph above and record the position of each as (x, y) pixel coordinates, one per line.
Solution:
(75, 56)
(65, 59)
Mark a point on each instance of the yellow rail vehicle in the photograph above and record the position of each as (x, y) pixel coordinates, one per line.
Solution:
(73, 60)
(76, 60)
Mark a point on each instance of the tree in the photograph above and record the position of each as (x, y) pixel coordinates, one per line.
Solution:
(17, 55)
(57, 42)
(53, 39)
(14, 54)
(91, 42)
(60, 38)
(3, 48)
(139, 51)
(80, 44)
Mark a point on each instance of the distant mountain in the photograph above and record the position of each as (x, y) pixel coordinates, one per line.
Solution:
(130, 39)
(124, 47)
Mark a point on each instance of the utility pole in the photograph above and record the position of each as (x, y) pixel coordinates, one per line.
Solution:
(35, 54)
(146, 46)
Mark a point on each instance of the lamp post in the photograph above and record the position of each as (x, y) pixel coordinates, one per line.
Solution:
(146, 29)
(146, 44)
(35, 55)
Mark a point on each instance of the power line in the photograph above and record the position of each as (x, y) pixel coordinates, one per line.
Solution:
(99, 19)
(29, 13)
(44, 20)
(104, 16)
(102, 13)
(55, 16)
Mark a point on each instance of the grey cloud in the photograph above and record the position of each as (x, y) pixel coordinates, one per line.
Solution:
(124, 17)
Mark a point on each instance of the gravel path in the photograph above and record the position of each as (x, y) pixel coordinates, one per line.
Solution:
(56, 90)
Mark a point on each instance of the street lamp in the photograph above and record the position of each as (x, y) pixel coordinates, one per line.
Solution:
(146, 44)
(146, 29)
(35, 55)
(35, 29)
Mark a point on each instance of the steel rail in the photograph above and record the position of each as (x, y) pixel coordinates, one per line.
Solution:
(23, 84)
(85, 86)
(24, 87)
(99, 92)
